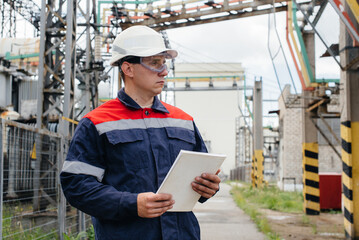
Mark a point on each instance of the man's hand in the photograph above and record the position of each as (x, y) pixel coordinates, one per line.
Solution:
(207, 184)
(151, 205)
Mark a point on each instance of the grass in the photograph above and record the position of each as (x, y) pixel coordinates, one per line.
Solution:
(13, 228)
(251, 199)
(272, 198)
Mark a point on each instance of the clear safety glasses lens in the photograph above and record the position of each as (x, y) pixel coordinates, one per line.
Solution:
(154, 63)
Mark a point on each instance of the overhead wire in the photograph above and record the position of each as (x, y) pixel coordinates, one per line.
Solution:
(272, 56)
(201, 54)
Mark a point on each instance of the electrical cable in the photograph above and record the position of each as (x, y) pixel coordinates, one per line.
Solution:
(275, 70)
(201, 55)
(281, 48)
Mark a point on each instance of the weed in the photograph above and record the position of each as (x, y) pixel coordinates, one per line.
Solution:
(79, 236)
(270, 197)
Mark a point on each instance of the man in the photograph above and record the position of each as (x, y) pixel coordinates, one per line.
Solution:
(122, 151)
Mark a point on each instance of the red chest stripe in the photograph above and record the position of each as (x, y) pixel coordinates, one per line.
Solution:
(115, 110)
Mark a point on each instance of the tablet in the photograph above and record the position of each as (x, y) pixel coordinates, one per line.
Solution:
(186, 167)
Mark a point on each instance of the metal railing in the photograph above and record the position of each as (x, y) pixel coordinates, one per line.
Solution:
(32, 205)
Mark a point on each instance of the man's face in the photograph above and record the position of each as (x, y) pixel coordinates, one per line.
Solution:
(150, 82)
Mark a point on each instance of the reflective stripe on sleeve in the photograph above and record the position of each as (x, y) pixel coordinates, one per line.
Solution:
(126, 124)
(77, 167)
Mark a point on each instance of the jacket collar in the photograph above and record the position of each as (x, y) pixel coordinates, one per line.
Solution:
(129, 102)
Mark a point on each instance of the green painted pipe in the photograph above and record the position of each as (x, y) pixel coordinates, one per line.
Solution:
(302, 46)
(327, 80)
(21, 56)
(214, 77)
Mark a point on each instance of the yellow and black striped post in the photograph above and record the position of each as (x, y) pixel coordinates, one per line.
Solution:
(259, 159)
(347, 177)
(349, 129)
(253, 172)
(311, 179)
(258, 134)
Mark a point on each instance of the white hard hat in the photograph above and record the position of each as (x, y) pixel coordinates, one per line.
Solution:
(139, 41)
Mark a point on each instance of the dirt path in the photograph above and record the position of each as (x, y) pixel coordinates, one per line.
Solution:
(303, 227)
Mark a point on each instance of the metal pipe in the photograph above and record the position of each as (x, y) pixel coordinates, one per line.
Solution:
(320, 37)
(40, 82)
(299, 55)
(302, 46)
(176, 89)
(300, 75)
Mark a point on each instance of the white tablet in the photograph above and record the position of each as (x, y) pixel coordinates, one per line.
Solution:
(187, 166)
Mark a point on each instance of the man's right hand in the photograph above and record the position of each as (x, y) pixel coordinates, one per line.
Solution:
(151, 205)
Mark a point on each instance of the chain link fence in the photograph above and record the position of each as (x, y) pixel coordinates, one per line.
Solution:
(32, 205)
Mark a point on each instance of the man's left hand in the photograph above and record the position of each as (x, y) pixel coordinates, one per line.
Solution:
(207, 184)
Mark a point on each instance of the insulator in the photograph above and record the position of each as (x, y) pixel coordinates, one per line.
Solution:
(98, 42)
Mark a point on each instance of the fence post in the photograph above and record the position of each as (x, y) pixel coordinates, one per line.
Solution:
(82, 221)
(61, 199)
(2, 138)
(36, 179)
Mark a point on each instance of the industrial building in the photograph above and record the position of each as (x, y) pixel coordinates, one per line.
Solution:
(58, 70)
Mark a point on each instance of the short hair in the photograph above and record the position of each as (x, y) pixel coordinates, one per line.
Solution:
(129, 59)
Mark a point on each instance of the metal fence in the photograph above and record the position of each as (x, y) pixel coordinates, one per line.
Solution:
(32, 205)
(241, 173)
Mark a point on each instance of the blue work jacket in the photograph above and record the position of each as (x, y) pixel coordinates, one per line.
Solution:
(119, 150)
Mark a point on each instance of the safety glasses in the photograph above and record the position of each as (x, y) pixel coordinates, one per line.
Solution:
(155, 63)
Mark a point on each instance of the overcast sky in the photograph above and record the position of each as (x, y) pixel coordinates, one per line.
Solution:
(245, 40)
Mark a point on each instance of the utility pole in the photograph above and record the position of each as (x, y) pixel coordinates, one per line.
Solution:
(310, 140)
(349, 128)
(258, 134)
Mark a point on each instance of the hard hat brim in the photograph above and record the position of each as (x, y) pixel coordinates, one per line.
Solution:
(150, 52)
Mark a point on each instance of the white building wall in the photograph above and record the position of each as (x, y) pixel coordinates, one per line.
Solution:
(214, 112)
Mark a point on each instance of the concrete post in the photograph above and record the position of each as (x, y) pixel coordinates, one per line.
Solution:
(310, 140)
(309, 42)
(258, 134)
(310, 159)
(349, 130)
